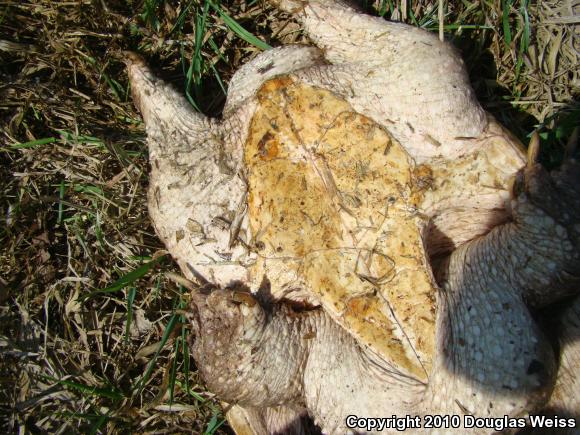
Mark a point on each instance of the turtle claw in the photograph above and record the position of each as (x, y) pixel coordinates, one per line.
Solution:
(534, 149)
(180, 280)
(556, 194)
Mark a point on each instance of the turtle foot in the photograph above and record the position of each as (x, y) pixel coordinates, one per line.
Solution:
(246, 354)
(556, 194)
(546, 208)
(247, 357)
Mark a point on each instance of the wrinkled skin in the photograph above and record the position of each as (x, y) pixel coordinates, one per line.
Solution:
(487, 236)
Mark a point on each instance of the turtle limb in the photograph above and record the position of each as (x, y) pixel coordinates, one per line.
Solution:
(258, 357)
(195, 195)
(254, 359)
(493, 359)
(547, 212)
(246, 355)
(428, 104)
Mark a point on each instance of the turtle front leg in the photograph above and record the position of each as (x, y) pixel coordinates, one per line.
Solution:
(275, 62)
(425, 99)
(492, 358)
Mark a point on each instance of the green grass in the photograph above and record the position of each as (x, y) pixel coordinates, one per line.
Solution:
(33, 143)
(125, 280)
(82, 275)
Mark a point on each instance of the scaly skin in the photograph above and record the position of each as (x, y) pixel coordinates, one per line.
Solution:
(491, 350)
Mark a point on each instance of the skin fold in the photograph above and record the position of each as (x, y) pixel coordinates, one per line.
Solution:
(500, 237)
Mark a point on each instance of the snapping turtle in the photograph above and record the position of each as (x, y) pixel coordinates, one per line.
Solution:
(370, 240)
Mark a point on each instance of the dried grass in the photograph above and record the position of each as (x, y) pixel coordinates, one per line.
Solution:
(74, 173)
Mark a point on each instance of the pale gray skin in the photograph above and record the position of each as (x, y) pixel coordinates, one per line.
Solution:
(491, 357)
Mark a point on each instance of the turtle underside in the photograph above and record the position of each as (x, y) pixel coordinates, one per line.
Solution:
(333, 205)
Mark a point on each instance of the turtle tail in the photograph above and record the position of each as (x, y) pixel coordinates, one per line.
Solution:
(166, 113)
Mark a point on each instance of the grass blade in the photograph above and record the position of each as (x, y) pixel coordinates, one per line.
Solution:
(195, 71)
(111, 392)
(60, 204)
(173, 374)
(166, 334)
(185, 353)
(149, 14)
(33, 143)
(97, 425)
(507, 32)
(130, 300)
(239, 30)
(448, 27)
(126, 279)
(213, 425)
(527, 30)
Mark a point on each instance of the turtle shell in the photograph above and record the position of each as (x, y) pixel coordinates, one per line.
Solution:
(333, 207)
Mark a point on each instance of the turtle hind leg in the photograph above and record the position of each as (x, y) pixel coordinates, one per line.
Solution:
(239, 353)
(252, 357)
(492, 358)
(546, 210)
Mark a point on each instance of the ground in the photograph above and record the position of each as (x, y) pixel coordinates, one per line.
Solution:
(91, 333)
